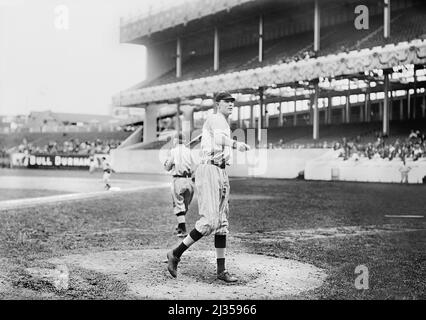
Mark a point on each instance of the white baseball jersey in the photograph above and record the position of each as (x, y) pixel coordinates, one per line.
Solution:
(215, 127)
(106, 166)
(181, 158)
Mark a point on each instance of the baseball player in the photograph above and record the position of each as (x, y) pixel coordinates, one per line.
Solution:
(212, 184)
(180, 165)
(92, 165)
(404, 169)
(107, 173)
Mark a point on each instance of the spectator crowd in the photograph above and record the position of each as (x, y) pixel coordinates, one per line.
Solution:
(413, 147)
(70, 147)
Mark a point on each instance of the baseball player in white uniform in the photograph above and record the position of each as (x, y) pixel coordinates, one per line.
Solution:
(212, 184)
(107, 173)
(180, 164)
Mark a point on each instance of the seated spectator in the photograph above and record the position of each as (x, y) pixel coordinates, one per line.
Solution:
(355, 156)
(412, 135)
(417, 152)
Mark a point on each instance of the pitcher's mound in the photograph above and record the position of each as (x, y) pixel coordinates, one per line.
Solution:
(145, 272)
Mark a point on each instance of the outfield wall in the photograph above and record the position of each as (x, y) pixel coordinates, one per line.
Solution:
(265, 163)
(56, 161)
(330, 167)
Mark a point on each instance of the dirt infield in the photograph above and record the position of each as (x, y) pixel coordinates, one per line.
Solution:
(145, 273)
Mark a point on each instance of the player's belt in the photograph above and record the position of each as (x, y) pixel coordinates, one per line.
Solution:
(107, 171)
(184, 175)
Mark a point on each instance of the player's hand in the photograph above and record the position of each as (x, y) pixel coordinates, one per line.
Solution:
(241, 146)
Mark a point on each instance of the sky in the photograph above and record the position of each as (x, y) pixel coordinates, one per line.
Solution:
(65, 56)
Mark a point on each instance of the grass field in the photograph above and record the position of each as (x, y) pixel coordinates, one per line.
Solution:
(261, 210)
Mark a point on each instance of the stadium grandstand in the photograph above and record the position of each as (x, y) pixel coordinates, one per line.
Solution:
(309, 71)
(290, 64)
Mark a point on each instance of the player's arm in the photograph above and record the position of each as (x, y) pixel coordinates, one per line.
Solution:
(221, 139)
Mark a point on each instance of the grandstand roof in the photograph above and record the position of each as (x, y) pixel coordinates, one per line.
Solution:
(288, 55)
(191, 10)
(353, 62)
(195, 15)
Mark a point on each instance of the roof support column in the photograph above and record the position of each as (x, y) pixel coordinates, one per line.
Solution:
(266, 121)
(177, 119)
(216, 50)
(386, 104)
(150, 124)
(295, 110)
(316, 111)
(316, 27)
(329, 110)
(348, 103)
(261, 110)
(260, 38)
(401, 109)
(343, 114)
(280, 115)
(408, 104)
(386, 17)
(361, 114)
(178, 58)
(367, 105)
(188, 122)
(252, 123)
(415, 92)
(240, 118)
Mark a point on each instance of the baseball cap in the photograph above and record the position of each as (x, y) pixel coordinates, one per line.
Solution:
(224, 95)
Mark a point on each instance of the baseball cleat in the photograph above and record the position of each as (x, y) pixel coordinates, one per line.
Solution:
(225, 276)
(172, 263)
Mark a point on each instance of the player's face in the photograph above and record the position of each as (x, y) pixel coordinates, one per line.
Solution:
(225, 107)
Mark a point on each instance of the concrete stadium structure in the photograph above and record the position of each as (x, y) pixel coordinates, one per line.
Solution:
(289, 63)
